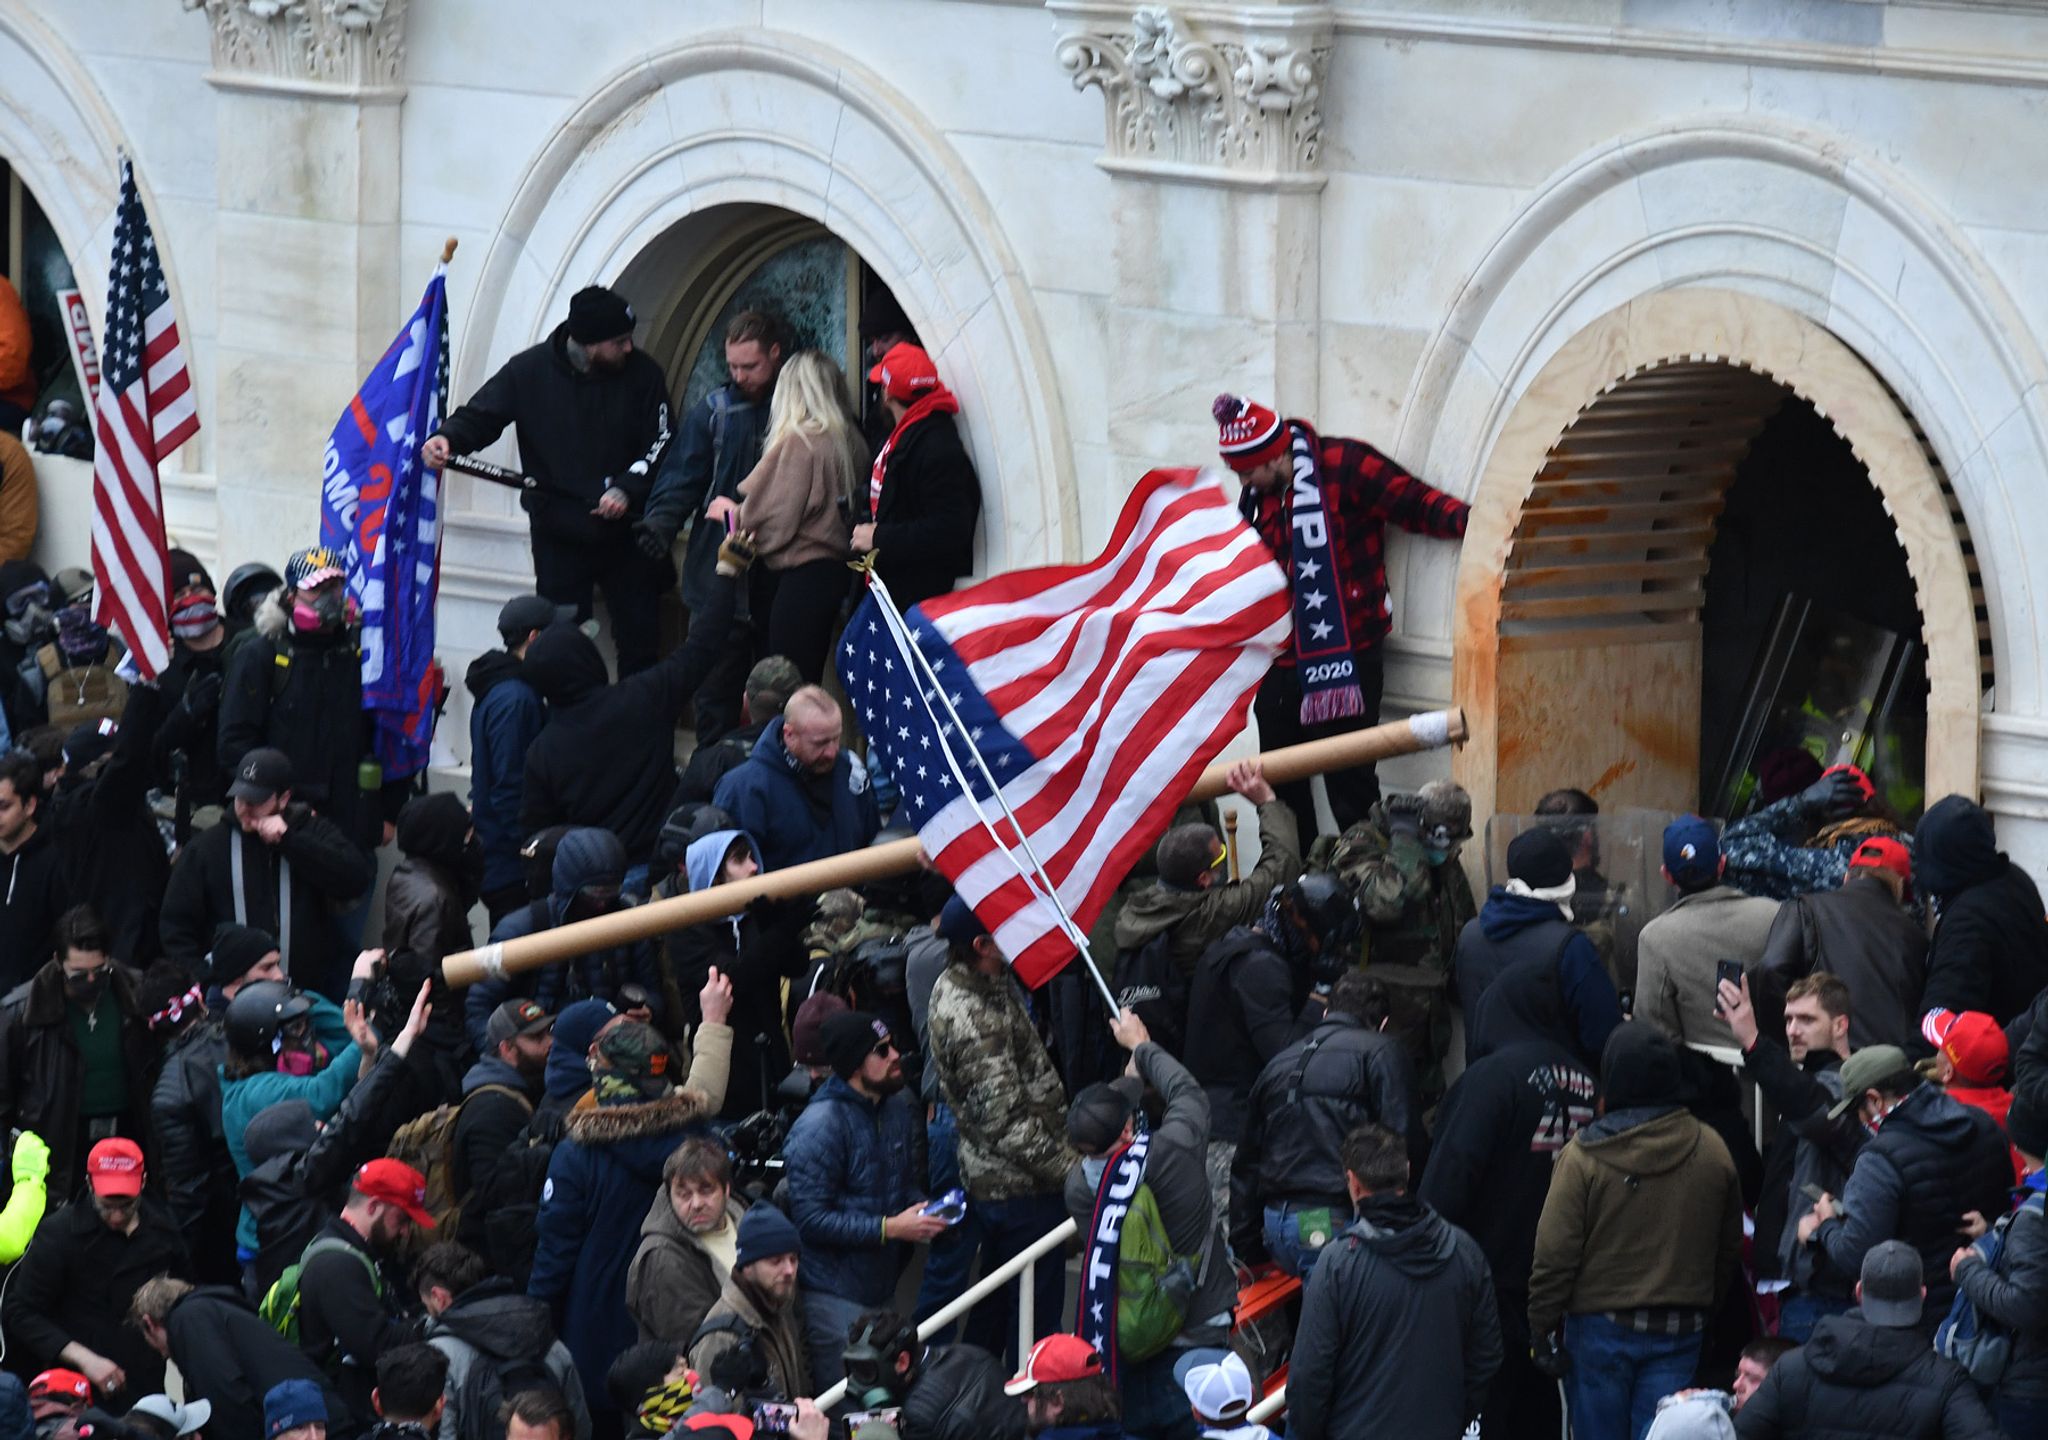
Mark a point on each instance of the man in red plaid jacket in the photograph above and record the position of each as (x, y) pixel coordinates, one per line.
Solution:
(1322, 505)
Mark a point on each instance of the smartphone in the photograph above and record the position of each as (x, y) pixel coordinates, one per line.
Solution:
(774, 1417)
(1730, 971)
(950, 1207)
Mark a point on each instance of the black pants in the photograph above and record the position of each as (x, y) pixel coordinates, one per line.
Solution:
(716, 704)
(1521, 1403)
(797, 609)
(567, 573)
(1278, 708)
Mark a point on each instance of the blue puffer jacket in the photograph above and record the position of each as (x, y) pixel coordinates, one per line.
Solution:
(601, 1179)
(777, 802)
(505, 714)
(587, 856)
(849, 1162)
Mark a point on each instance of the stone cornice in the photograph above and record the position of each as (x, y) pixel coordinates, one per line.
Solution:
(347, 49)
(1207, 94)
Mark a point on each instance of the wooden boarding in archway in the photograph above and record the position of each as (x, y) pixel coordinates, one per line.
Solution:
(1582, 582)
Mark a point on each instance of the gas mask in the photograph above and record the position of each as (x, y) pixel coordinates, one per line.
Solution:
(298, 1052)
(30, 621)
(872, 1379)
(326, 611)
(1440, 843)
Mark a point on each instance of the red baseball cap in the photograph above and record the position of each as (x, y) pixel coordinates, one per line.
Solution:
(1054, 1359)
(64, 1385)
(905, 372)
(1881, 852)
(115, 1167)
(1972, 1041)
(396, 1183)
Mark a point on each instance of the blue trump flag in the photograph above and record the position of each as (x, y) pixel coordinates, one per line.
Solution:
(380, 509)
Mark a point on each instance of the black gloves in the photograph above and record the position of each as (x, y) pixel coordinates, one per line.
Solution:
(201, 697)
(1551, 1360)
(653, 541)
(1404, 816)
(1835, 796)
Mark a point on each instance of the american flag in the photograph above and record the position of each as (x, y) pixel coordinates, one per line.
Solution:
(1095, 695)
(145, 411)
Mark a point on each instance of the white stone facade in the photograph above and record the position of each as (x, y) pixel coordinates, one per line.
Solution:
(1386, 214)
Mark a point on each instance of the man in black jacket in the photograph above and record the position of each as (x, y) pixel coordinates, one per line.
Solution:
(300, 692)
(198, 1173)
(350, 1312)
(923, 498)
(67, 1303)
(498, 1098)
(1931, 1162)
(591, 414)
(34, 894)
(606, 757)
(1399, 1331)
(227, 1354)
(1863, 933)
(74, 1051)
(1287, 1194)
(1870, 1372)
(184, 759)
(112, 851)
(697, 488)
(1248, 994)
(1990, 945)
(293, 867)
(1802, 1080)
(946, 1392)
(1498, 1133)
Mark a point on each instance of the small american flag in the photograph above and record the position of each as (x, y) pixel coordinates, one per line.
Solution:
(1095, 695)
(145, 411)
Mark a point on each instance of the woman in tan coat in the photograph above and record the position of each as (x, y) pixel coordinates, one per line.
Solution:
(797, 503)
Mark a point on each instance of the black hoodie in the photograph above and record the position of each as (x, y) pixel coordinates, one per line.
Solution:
(1855, 1379)
(1990, 945)
(606, 756)
(1399, 1331)
(33, 893)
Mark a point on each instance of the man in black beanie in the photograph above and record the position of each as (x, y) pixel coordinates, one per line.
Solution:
(853, 1189)
(1524, 970)
(1660, 1193)
(591, 415)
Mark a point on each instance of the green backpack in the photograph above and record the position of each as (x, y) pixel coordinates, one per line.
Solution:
(1154, 1286)
(281, 1302)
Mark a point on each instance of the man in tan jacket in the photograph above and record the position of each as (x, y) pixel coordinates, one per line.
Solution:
(1638, 1240)
(1711, 921)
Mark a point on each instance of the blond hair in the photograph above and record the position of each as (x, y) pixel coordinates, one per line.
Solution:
(811, 399)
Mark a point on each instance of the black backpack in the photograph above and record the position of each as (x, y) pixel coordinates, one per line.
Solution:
(485, 1386)
(509, 1197)
(1146, 980)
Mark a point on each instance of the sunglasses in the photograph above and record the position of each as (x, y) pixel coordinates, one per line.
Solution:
(885, 1049)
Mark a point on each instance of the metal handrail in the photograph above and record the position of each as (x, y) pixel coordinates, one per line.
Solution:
(986, 1286)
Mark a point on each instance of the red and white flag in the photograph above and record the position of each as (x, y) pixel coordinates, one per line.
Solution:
(145, 411)
(1094, 694)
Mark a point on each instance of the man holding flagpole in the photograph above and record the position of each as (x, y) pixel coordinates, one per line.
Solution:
(1322, 506)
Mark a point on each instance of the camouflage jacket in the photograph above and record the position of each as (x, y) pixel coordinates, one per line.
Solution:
(1775, 851)
(1001, 1086)
(1413, 909)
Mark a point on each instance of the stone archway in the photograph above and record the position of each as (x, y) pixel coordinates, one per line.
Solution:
(1679, 382)
(763, 118)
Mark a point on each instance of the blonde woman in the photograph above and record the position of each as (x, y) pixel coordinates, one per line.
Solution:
(797, 504)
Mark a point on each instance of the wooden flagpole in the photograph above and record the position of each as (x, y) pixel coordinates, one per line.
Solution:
(1429, 731)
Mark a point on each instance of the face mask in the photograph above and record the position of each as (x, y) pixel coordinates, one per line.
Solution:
(324, 612)
(86, 988)
(588, 907)
(302, 1062)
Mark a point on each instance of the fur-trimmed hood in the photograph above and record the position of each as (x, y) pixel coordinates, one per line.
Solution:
(637, 1120)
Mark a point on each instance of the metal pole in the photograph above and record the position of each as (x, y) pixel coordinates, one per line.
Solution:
(986, 1286)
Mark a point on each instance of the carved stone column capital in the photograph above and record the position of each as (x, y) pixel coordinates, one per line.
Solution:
(1223, 95)
(353, 49)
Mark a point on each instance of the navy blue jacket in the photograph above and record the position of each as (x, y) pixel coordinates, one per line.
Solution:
(1551, 987)
(782, 807)
(504, 717)
(849, 1162)
(600, 1180)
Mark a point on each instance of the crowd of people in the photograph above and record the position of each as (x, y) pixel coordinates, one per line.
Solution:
(272, 1175)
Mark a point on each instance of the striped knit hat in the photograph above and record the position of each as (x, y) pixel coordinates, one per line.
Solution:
(1247, 432)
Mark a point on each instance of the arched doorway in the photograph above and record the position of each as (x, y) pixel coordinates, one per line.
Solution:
(1583, 587)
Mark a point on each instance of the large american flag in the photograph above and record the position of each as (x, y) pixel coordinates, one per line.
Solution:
(1095, 695)
(145, 411)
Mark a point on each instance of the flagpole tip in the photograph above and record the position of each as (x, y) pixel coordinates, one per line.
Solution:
(447, 249)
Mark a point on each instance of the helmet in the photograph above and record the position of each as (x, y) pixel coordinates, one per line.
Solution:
(258, 1012)
(687, 823)
(1446, 813)
(1328, 911)
(246, 588)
